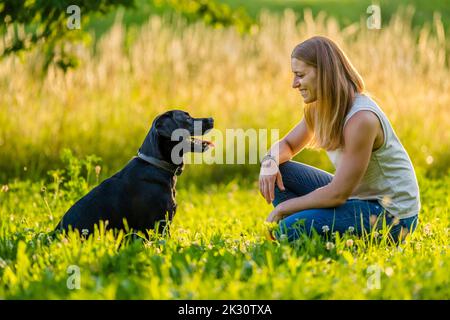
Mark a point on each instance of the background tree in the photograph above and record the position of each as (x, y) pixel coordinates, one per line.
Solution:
(49, 24)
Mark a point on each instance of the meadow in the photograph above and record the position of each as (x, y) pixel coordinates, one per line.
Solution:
(61, 134)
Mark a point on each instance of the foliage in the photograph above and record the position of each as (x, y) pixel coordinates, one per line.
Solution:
(46, 24)
(211, 12)
(33, 22)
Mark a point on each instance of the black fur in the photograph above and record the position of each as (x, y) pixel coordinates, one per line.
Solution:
(141, 193)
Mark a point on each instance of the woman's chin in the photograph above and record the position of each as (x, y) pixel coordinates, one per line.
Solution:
(308, 99)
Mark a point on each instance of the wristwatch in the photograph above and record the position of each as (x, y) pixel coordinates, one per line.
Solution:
(268, 156)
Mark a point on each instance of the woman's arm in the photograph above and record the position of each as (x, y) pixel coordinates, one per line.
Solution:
(292, 143)
(359, 136)
(281, 151)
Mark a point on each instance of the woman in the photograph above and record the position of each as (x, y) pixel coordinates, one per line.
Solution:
(374, 179)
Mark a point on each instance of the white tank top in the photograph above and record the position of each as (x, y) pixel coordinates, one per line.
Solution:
(390, 177)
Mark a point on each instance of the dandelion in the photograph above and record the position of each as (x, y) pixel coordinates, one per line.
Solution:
(429, 160)
(325, 229)
(5, 188)
(84, 232)
(329, 245)
(375, 234)
(351, 229)
(349, 243)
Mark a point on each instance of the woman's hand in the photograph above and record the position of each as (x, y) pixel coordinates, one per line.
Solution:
(268, 176)
(277, 214)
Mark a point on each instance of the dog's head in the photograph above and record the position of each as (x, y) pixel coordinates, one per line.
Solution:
(178, 126)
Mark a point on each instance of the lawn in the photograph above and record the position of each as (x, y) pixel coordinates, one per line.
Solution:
(218, 247)
(217, 250)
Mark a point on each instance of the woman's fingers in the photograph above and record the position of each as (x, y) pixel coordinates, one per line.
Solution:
(271, 188)
(280, 181)
(264, 189)
(267, 186)
(270, 185)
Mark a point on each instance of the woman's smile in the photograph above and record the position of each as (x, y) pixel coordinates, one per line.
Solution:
(305, 80)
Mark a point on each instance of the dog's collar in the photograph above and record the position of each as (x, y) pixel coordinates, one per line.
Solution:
(174, 169)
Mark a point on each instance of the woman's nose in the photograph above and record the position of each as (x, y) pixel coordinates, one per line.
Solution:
(296, 83)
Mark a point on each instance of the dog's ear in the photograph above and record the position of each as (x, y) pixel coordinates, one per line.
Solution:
(164, 125)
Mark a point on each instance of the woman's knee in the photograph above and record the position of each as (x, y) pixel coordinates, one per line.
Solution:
(286, 168)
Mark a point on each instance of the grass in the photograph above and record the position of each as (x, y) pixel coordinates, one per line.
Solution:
(217, 250)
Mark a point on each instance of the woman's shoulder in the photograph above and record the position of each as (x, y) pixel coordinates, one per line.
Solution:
(363, 101)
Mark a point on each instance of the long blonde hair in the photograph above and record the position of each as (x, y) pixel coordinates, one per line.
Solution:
(337, 83)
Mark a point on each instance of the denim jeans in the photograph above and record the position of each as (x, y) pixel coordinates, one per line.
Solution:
(354, 215)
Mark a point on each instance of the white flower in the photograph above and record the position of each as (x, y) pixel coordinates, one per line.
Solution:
(325, 228)
(351, 229)
(329, 245)
(349, 243)
(84, 232)
(427, 229)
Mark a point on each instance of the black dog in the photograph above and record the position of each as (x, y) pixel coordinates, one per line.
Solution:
(142, 194)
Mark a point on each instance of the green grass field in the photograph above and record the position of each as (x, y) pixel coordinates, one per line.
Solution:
(217, 249)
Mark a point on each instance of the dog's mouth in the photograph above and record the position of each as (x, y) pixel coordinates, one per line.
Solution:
(200, 145)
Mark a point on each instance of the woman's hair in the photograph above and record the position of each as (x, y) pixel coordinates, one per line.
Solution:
(337, 82)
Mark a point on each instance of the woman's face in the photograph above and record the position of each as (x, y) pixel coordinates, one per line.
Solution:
(305, 80)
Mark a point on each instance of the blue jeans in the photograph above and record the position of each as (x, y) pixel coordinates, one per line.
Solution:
(354, 215)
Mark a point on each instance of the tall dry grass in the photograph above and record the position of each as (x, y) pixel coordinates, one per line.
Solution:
(106, 105)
